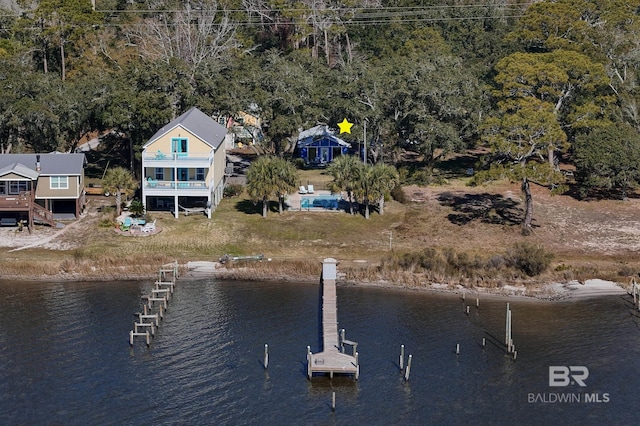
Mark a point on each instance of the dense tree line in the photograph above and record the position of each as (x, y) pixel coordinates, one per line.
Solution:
(535, 81)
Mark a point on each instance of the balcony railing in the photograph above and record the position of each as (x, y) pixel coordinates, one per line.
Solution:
(169, 185)
(178, 157)
(15, 202)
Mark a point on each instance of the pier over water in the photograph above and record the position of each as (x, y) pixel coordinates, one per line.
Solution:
(332, 360)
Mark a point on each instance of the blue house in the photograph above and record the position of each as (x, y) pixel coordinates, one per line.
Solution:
(318, 146)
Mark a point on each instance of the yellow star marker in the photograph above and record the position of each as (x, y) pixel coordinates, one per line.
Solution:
(345, 126)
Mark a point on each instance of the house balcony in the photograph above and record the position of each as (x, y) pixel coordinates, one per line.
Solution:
(195, 188)
(178, 160)
(19, 202)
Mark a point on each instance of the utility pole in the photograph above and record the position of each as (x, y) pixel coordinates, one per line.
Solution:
(365, 142)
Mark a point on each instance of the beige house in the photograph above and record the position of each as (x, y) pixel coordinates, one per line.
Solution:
(183, 165)
(41, 187)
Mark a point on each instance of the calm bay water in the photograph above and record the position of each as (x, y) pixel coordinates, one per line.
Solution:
(65, 357)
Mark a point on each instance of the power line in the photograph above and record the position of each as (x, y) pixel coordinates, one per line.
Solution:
(519, 5)
(378, 11)
(370, 16)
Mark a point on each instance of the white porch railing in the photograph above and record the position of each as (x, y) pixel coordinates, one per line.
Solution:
(176, 157)
(170, 185)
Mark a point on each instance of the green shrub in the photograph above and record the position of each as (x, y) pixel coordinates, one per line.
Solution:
(299, 163)
(626, 271)
(136, 208)
(496, 262)
(431, 260)
(398, 194)
(415, 176)
(107, 223)
(233, 190)
(529, 258)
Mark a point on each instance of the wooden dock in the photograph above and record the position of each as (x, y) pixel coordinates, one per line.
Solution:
(332, 360)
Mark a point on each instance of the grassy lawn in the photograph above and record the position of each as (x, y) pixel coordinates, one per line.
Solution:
(458, 224)
(319, 178)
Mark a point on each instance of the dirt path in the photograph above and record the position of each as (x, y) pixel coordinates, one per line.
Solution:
(67, 238)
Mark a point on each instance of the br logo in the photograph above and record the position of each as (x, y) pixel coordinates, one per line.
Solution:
(560, 375)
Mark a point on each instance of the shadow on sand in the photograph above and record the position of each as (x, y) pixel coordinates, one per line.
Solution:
(487, 208)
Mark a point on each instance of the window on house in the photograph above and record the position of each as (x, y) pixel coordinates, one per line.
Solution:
(179, 146)
(16, 187)
(313, 153)
(3, 188)
(159, 173)
(199, 174)
(59, 182)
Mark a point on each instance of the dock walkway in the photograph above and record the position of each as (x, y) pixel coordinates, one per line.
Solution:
(332, 360)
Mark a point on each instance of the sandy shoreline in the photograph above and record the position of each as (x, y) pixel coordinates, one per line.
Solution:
(555, 291)
(572, 290)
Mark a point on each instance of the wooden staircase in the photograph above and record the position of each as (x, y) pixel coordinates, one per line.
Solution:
(42, 215)
(24, 203)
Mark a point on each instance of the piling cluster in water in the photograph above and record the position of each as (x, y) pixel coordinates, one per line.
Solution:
(148, 320)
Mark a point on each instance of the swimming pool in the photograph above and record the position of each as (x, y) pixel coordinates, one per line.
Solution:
(329, 202)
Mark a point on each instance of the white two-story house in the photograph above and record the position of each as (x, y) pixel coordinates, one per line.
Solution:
(183, 165)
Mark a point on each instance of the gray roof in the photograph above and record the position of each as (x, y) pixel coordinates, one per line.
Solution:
(198, 123)
(19, 169)
(50, 164)
(317, 133)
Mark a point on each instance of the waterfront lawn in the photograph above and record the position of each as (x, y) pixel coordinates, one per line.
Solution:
(481, 223)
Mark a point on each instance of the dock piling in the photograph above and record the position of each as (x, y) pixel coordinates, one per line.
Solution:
(153, 317)
(159, 299)
(164, 288)
(266, 356)
(508, 340)
(144, 325)
(133, 334)
(401, 357)
(408, 370)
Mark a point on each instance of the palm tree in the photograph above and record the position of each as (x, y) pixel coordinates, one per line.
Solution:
(346, 171)
(118, 181)
(286, 179)
(366, 189)
(261, 181)
(385, 178)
